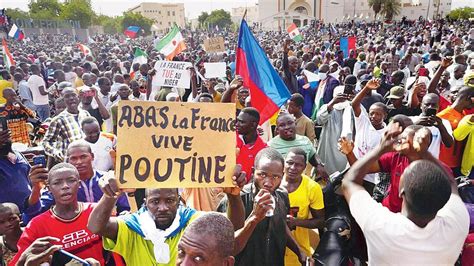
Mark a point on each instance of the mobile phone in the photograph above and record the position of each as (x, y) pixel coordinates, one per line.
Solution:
(3, 123)
(74, 260)
(39, 160)
(430, 112)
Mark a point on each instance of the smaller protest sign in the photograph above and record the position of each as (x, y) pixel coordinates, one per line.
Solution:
(214, 45)
(172, 74)
(215, 70)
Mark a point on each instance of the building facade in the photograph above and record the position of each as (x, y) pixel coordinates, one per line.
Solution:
(276, 14)
(238, 12)
(164, 15)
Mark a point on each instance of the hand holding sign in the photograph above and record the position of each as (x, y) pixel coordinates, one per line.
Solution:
(238, 180)
(170, 145)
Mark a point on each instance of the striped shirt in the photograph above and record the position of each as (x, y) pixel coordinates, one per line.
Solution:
(64, 129)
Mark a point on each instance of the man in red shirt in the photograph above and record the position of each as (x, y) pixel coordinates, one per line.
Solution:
(397, 161)
(249, 142)
(67, 220)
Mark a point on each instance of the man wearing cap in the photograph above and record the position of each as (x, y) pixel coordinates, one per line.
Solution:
(397, 105)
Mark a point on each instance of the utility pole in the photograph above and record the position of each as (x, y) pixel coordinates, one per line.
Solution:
(428, 10)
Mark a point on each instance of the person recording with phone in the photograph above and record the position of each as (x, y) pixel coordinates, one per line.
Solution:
(16, 115)
(441, 130)
(91, 102)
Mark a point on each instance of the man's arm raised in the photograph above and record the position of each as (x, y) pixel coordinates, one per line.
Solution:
(100, 222)
(354, 178)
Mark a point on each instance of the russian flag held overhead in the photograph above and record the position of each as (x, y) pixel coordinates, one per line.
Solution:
(16, 33)
(132, 31)
(268, 92)
(347, 44)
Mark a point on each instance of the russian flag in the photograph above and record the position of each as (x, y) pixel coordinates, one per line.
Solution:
(267, 89)
(16, 33)
(132, 31)
(347, 44)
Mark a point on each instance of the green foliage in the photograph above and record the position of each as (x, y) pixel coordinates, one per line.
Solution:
(110, 24)
(376, 6)
(462, 13)
(218, 17)
(80, 10)
(202, 18)
(135, 19)
(391, 8)
(16, 13)
(45, 9)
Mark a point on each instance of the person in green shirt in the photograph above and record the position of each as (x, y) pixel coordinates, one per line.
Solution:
(288, 139)
(151, 235)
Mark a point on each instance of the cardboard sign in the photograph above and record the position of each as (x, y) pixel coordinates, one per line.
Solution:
(214, 45)
(175, 145)
(215, 70)
(172, 74)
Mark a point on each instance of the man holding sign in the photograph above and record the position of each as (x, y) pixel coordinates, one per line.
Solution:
(163, 146)
(155, 230)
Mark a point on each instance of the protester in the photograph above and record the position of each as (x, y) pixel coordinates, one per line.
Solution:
(304, 125)
(155, 230)
(65, 127)
(306, 203)
(16, 115)
(287, 139)
(249, 143)
(14, 169)
(38, 90)
(103, 145)
(425, 71)
(264, 236)
(330, 117)
(66, 220)
(433, 222)
(10, 231)
(208, 240)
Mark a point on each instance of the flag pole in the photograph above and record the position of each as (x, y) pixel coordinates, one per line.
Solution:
(245, 14)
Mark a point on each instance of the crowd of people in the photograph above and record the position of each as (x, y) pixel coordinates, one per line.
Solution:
(397, 111)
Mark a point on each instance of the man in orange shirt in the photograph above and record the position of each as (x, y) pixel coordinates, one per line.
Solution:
(454, 113)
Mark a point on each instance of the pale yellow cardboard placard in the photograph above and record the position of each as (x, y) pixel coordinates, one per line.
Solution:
(214, 45)
(175, 145)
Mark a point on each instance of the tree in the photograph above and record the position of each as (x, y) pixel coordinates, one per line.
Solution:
(16, 13)
(111, 25)
(376, 6)
(80, 10)
(202, 18)
(45, 9)
(391, 8)
(462, 13)
(135, 19)
(220, 18)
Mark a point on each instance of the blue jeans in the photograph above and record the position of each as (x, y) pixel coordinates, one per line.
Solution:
(42, 111)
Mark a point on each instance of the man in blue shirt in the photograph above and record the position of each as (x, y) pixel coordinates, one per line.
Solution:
(80, 155)
(14, 169)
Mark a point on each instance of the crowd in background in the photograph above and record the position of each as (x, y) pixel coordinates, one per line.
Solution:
(398, 110)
